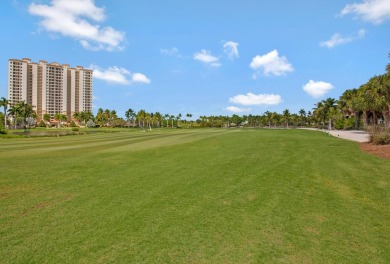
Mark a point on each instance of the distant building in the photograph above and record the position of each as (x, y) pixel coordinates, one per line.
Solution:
(50, 87)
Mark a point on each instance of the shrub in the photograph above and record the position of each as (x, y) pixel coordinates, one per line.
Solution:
(42, 124)
(3, 131)
(379, 135)
(90, 123)
(76, 129)
(72, 124)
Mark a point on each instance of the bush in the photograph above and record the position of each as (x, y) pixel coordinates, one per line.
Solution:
(76, 129)
(379, 135)
(72, 124)
(3, 131)
(42, 124)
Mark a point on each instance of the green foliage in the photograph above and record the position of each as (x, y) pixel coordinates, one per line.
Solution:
(42, 124)
(72, 124)
(75, 129)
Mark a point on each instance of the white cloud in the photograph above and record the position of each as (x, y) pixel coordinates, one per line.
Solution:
(271, 64)
(317, 89)
(231, 49)
(71, 18)
(140, 78)
(206, 57)
(256, 99)
(374, 11)
(235, 109)
(118, 75)
(337, 39)
(361, 33)
(174, 52)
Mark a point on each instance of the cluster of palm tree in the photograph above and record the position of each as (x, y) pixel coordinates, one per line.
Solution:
(61, 118)
(370, 101)
(369, 105)
(20, 112)
(267, 119)
(82, 117)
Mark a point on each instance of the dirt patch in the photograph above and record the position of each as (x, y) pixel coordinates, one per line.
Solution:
(382, 151)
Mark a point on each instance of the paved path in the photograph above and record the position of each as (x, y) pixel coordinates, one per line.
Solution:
(354, 135)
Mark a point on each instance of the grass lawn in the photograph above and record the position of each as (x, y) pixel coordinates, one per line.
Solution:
(193, 196)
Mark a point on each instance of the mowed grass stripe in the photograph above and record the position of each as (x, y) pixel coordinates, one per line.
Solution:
(88, 141)
(253, 196)
(26, 143)
(8, 144)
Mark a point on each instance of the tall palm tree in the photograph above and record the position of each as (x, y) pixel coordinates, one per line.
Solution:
(330, 105)
(107, 116)
(100, 117)
(14, 112)
(368, 94)
(268, 116)
(167, 117)
(178, 117)
(190, 116)
(158, 118)
(350, 103)
(141, 116)
(113, 117)
(4, 103)
(382, 84)
(46, 118)
(64, 118)
(129, 114)
(286, 117)
(28, 114)
(302, 114)
(172, 117)
(58, 117)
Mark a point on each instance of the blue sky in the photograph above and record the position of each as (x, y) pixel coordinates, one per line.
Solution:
(202, 57)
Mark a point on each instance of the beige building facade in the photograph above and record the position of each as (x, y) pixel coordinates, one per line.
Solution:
(50, 87)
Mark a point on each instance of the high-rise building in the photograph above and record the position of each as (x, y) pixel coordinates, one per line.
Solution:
(50, 87)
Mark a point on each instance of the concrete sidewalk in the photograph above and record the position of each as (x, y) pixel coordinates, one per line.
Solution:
(354, 135)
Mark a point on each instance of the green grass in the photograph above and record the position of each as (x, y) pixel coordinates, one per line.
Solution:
(193, 196)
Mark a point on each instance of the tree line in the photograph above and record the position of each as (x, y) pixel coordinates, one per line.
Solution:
(368, 105)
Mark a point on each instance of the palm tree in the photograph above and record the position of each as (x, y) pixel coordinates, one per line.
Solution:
(129, 115)
(107, 117)
(99, 117)
(4, 103)
(158, 118)
(113, 117)
(77, 116)
(302, 114)
(268, 116)
(58, 117)
(166, 118)
(330, 106)
(63, 118)
(352, 102)
(369, 102)
(189, 116)
(172, 117)
(141, 116)
(178, 117)
(46, 118)
(14, 111)
(28, 113)
(286, 117)
(382, 85)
